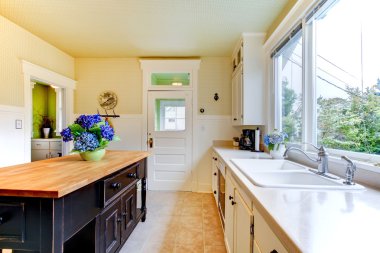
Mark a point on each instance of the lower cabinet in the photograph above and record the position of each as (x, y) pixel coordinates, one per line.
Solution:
(117, 221)
(245, 229)
(238, 221)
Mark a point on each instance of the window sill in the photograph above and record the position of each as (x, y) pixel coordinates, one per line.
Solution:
(366, 174)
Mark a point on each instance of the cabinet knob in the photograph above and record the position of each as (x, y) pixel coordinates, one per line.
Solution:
(216, 159)
(124, 214)
(274, 251)
(214, 173)
(233, 202)
(2, 220)
(132, 175)
(214, 192)
(230, 197)
(235, 119)
(118, 220)
(116, 185)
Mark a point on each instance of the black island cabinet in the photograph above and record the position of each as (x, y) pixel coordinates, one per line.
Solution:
(97, 218)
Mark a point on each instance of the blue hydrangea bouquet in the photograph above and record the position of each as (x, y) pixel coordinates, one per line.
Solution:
(273, 140)
(90, 134)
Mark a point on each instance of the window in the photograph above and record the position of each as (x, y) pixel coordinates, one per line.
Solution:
(170, 115)
(288, 63)
(341, 80)
(347, 77)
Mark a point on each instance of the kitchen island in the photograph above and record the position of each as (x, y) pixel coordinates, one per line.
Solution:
(66, 204)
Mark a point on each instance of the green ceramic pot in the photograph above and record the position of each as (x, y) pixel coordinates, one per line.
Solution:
(96, 155)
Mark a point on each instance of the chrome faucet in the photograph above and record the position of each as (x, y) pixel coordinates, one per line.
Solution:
(350, 171)
(322, 160)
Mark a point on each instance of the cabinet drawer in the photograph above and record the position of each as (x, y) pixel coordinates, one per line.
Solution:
(56, 145)
(115, 185)
(40, 145)
(12, 222)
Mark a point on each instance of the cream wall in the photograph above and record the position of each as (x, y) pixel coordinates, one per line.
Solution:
(18, 44)
(120, 75)
(124, 77)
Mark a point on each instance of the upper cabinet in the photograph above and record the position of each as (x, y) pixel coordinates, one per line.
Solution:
(248, 91)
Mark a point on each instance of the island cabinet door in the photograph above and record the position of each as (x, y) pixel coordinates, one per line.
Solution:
(128, 213)
(110, 228)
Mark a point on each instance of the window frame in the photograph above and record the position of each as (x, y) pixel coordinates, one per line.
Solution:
(309, 124)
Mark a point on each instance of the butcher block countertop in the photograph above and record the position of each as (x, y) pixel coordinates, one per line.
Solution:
(54, 178)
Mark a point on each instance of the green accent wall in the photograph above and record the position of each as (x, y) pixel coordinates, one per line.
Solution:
(44, 104)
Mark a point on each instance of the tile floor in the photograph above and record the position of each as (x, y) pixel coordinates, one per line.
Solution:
(178, 222)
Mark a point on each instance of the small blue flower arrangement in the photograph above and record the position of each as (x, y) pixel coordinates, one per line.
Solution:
(273, 140)
(89, 133)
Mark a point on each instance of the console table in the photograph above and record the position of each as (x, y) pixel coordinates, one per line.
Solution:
(68, 205)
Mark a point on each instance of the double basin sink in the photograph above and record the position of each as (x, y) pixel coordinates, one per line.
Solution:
(287, 174)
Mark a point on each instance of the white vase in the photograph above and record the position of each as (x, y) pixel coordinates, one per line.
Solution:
(46, 132)
(278, 151)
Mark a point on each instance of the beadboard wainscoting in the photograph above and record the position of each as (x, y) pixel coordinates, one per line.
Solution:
(12, 148)
(210, 128)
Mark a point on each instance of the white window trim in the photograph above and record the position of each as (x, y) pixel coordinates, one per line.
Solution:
(363, 161)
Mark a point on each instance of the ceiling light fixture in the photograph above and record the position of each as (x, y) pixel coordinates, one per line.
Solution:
(177, 84)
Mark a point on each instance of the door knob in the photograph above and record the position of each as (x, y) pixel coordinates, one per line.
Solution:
(150, 142)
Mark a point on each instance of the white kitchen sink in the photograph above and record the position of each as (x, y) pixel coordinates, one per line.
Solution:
(267, 165)
(286, 174)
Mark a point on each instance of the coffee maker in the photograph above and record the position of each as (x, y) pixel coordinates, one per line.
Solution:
(247, 141)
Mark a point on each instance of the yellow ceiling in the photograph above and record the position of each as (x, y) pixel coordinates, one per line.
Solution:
(142, 28)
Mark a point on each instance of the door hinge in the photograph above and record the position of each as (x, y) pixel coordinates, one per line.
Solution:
(251, 229)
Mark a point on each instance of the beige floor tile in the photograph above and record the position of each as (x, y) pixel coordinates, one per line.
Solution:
(212, 222)
(192, 211)
(190, 236)
(158, 248)
(215, 249)
(191, 222)
(178, 222)
(214, 237)
(180, 248)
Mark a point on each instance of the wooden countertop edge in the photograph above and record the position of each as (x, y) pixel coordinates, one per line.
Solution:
(67, 190)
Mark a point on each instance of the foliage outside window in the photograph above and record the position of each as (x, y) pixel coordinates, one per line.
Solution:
(344, 62)
(347, 77)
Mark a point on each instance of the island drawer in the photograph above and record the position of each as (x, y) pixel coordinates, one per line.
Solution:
(114, 186)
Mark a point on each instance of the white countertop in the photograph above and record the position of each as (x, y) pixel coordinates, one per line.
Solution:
(314, 220)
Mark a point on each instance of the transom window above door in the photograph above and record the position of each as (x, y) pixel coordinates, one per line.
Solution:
(170, 79)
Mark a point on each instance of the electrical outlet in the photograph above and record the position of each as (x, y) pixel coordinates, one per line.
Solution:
(18, 124)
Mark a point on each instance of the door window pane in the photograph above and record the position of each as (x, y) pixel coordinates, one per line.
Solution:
(347, 77)
(289, 76)
(170, 79)
(170, 115)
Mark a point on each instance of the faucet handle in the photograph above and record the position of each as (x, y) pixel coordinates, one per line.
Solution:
(347, 159)
(350, 171)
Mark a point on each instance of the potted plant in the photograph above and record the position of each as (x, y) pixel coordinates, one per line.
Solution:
(276, 143)
(46, 125)
(91, 135)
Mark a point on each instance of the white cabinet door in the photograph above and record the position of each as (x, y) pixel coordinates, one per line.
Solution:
(256, 248)
(229, 215)
(243, 222)
(40, 154)
(237, 103)
(214, 176)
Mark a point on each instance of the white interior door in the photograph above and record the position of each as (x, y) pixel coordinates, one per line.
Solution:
(169, 140)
